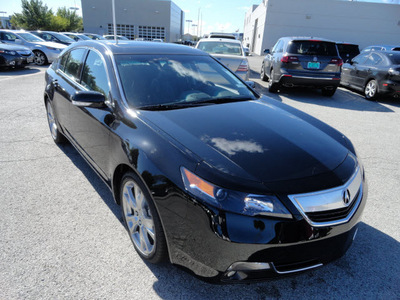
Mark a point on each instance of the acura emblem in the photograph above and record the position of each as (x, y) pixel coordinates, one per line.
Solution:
(315, 58)
(346, 197)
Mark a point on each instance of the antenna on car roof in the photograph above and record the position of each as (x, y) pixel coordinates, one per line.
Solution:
(114, 22)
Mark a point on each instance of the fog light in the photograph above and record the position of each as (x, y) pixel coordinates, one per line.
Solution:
(248, 266)
(12, 63)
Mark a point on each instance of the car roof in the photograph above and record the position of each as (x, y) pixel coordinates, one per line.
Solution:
(139, 47)
(306, 38)
(220, 40)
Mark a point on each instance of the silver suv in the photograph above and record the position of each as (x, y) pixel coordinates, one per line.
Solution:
(302, 61)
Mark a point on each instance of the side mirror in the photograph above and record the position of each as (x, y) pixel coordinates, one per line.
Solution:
(88, 99)
(251, 84)
(266, 51)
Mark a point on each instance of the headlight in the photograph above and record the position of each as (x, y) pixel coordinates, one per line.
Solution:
(8, 52)
(233, 201)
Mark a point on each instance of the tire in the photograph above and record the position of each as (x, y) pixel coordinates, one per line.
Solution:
(371, 90)
(328, 92)
(40, 58)
(141, 219)
(273, 87)
(262, 74)
(57, 136)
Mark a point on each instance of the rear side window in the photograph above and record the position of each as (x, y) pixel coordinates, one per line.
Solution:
(94, 76)
(394, 58)
(73, 64)
(312, 48)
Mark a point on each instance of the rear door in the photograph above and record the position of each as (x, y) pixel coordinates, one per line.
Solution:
(352, 72)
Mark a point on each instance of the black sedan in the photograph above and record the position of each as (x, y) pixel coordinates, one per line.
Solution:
(226, 183)
(15, 56)
(374, 73)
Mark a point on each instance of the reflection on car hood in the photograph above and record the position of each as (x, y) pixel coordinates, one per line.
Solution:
(50, 44)
(13, 47)
(231, 61)
(255, 140)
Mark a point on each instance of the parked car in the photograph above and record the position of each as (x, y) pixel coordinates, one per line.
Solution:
(15, 56)
(158, 40)
(347, 51)
(302, 61)
(374, 73)
(45, 52)
(119, 37)
(221, 35)
(51, 36)
(94, 36)
(229, 52)
(226, 183)
(77, 37)
(381, 48)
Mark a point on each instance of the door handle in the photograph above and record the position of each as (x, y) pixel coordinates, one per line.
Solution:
(55, 82)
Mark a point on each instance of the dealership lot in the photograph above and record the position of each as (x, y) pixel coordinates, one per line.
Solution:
(61, 234)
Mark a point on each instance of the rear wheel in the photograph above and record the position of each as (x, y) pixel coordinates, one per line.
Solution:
(371, 89)
(262, 74)
(273, 87)
(328, 92)
(40, 58)
(57, 136)
(141, 219)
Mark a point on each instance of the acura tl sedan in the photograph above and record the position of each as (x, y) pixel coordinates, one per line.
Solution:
(230, 185)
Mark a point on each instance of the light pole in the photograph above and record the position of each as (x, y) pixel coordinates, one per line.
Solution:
(189, 21)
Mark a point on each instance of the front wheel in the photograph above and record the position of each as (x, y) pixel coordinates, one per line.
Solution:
(371, 89)
(262, 73)
(40, 58)
(141, 219)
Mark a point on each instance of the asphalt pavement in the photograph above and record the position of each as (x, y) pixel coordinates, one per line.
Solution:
(61, 235)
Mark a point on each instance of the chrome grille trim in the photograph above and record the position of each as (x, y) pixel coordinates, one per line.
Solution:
(330, 200)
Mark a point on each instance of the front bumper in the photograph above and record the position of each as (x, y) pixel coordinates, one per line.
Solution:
(52, 54)
(15, 60)
(218, 246)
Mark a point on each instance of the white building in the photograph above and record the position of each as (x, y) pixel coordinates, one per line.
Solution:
(362, 23)
(149, 19)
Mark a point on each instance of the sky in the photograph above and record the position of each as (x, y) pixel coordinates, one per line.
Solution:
(212, 15)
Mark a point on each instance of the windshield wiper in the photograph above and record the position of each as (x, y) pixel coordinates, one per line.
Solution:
(224, 100)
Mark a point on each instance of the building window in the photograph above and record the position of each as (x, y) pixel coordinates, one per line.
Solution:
(149, 33)
(123, 29)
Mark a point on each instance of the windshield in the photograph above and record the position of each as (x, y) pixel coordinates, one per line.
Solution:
(83, 37)
(177, 79)
(221, 48)
(312, 48)
(63, 38)
(30, 37)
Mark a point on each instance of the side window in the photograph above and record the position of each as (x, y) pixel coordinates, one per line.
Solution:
(360, 58)
(375, 59)
(73, 64)
(280, 47)
(275, 47)
(94, 75)
(8, 36)
(63, 60)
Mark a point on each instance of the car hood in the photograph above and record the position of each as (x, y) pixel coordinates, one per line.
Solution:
(254, 140)
(50, 44)
(13, 47)
(231, 61)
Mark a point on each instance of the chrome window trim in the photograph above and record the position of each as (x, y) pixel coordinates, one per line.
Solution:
(355, 183)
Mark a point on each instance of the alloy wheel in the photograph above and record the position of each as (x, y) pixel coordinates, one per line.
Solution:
(40, 58)
(370, 89)
(138, 218)
(52, 121)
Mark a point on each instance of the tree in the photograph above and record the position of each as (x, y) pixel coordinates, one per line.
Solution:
(69, 19)
(35, 15)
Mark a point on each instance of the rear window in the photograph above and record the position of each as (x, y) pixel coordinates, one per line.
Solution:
(346, 48)
(394, 58)
(312, 48)
(221, 48)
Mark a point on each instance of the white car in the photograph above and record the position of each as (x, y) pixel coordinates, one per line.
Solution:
(45, 52)
(230, 52)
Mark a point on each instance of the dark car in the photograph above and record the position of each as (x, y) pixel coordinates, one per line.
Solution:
(219, 180)
(381, 48)
(302, 61)
(374, 73)
(347, 51)
(15, 56)
(51, 36)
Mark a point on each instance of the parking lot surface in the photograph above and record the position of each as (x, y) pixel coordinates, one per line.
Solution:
(61, 235)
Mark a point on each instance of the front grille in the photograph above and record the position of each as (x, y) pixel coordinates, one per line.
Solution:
(334, 214)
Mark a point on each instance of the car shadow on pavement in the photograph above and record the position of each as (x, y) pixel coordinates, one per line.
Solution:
(370, 269)
(19, 71)
(100, 187)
